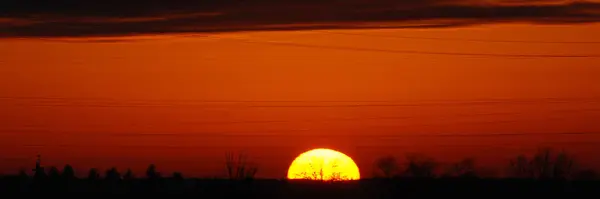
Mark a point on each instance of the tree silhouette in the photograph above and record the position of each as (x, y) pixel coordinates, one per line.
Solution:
(39, 171)
(564, 166)
(93, 174)
(586, 174)
(387, 166)
(68, 172)
(463, 168)
(113, 178)
(128, 175)
(153, 178)
(151, 172)
(178, 176)
(238, 168)
(520, 167)
(545, 164)
(23, 174)
(54, 173)
(420, 166)
(23, 180)
(112, 174)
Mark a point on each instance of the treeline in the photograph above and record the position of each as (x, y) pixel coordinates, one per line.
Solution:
(546, 163)
(53, 179)
(111, 180)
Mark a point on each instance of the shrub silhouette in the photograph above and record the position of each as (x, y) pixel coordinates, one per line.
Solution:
(316, 172)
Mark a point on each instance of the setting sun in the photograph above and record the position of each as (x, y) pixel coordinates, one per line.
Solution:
(323, 164)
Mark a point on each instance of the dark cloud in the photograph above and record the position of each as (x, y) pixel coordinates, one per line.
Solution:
(73, 18)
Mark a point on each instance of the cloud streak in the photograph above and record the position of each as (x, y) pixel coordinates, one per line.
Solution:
(76, 18)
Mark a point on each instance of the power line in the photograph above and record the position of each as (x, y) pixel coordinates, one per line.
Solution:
(359, 49)
(275, 101)
(280, 133)
(462, 39)
(68, 103)
(326, 120)
(264, 147)
(52, 99)
(351, 119)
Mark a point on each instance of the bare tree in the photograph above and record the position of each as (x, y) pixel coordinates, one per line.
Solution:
(420, 166)
(387, 166)
(239, 168)
(520, 167)
(544, 164)
(463, 168)
(564, 165)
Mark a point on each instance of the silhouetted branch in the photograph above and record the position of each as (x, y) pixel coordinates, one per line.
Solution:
(239, 168)
(544, 164)
(463, 168)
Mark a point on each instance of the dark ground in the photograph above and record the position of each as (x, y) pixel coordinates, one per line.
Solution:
(396, 188)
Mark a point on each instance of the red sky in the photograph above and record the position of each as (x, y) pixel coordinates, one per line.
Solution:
(148, 85)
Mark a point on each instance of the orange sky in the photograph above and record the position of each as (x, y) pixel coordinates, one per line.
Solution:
(158, 81)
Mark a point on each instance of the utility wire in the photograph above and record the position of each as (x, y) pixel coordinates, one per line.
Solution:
(267, 147)
(282, 133)
(262, 101)
(71, 103)
(326, 120)
(98, 99)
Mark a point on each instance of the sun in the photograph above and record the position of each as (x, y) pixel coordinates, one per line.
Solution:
(323, 164)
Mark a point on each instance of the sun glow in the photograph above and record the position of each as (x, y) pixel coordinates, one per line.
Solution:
(323, 164)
